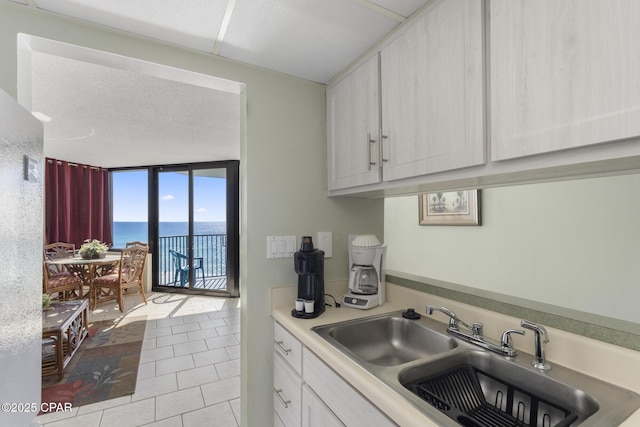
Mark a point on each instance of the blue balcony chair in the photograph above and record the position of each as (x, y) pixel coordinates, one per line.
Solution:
(181, 263)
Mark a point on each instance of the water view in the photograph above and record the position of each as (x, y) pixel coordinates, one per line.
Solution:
(209, 250)
(126, 231)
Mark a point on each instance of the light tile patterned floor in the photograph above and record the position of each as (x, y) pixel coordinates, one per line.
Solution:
(189, 374)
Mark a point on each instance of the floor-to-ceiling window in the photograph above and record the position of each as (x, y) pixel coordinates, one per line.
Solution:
(129, 206)
(189, 215)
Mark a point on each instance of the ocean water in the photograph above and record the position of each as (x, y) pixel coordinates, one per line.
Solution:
(209, 244)
(124, 232)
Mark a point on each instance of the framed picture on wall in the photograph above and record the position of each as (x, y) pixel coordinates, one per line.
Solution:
(450, 208)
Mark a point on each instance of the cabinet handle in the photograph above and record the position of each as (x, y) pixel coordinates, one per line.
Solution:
(382, 138)
(285, 403)
(281, 347)
(369, 142)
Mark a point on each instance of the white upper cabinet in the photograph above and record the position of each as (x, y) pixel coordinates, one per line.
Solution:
(559, 81)
(353, 127)
(564, 74)
(432, 92)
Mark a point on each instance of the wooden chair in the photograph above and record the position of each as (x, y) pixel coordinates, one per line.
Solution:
(126, 275)
(136, 243)
(56, 278)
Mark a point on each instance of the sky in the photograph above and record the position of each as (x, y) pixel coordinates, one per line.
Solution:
(130, 197)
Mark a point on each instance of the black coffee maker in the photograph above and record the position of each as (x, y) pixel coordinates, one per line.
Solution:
(309, 264)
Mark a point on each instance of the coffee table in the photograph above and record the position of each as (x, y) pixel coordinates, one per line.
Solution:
(64, 327)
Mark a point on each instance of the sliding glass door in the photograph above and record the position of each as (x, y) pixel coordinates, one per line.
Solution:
(196, 228)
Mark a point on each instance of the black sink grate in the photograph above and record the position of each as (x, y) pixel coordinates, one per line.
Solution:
(477, 399)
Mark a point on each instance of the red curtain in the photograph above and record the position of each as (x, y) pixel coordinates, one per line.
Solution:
(76, 203)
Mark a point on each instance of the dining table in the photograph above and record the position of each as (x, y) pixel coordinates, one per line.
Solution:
(88, 269)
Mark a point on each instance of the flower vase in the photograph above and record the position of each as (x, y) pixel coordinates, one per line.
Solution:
(94, 256)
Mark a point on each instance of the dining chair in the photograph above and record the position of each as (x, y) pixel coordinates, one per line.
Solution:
(181, 265)
(56, 279)
(127, 274)
(136, 243)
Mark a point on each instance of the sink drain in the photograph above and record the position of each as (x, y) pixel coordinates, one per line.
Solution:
(477, 399)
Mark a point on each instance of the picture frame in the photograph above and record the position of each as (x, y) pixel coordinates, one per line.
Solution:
(449, 208)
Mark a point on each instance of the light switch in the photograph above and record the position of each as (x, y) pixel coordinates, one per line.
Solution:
(291, 244)
(325, 243)
(280, 246)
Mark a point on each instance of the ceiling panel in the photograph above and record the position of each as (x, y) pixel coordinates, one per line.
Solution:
(307, 38)
(311, 39)
(401, 7)
(189, 23)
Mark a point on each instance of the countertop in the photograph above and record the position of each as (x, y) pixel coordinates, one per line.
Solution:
(388, 401)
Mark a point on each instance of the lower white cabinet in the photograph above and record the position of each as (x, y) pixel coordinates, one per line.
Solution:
(287, 392)
(347, 403)
(287, 346)
(315, 413)
(277, 422)
(315, 395)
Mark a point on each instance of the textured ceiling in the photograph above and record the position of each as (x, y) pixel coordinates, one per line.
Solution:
(113, 118)
(125, 118)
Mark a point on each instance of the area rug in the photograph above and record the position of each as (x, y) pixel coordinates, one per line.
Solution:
(104, 367)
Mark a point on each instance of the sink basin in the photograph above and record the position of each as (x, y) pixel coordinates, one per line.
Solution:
(456, 383)
(476, 388)
(386, 340)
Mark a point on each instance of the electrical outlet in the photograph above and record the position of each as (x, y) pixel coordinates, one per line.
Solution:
(325, 243)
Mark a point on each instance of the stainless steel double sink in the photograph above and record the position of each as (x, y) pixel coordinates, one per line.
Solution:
(456, 383)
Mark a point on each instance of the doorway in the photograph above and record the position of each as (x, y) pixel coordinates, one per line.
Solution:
(195, 228)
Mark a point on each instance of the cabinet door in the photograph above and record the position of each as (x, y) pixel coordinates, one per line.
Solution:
(432, 92)
(564, 74)
(353, 127)
(314, 411)
(349, 405)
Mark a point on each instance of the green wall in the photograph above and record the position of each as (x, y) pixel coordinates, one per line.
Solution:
(572, 244)
(283, 178)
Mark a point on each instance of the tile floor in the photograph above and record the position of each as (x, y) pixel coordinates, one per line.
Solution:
(189, 374)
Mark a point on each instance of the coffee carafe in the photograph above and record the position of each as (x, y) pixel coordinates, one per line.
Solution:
(366, 277)
(309, 264)
(364, 280)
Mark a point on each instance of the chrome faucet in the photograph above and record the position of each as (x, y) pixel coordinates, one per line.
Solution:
(454, 321)
(505, 347)
(541, 338)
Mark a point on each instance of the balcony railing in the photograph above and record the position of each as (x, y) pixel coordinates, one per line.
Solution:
(212, 248)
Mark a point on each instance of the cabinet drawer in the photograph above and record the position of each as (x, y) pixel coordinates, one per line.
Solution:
(288, 347)
(345, 402)
(287, 393)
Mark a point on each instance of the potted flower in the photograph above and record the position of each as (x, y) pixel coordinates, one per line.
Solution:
(46, 301)
(92, 249)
